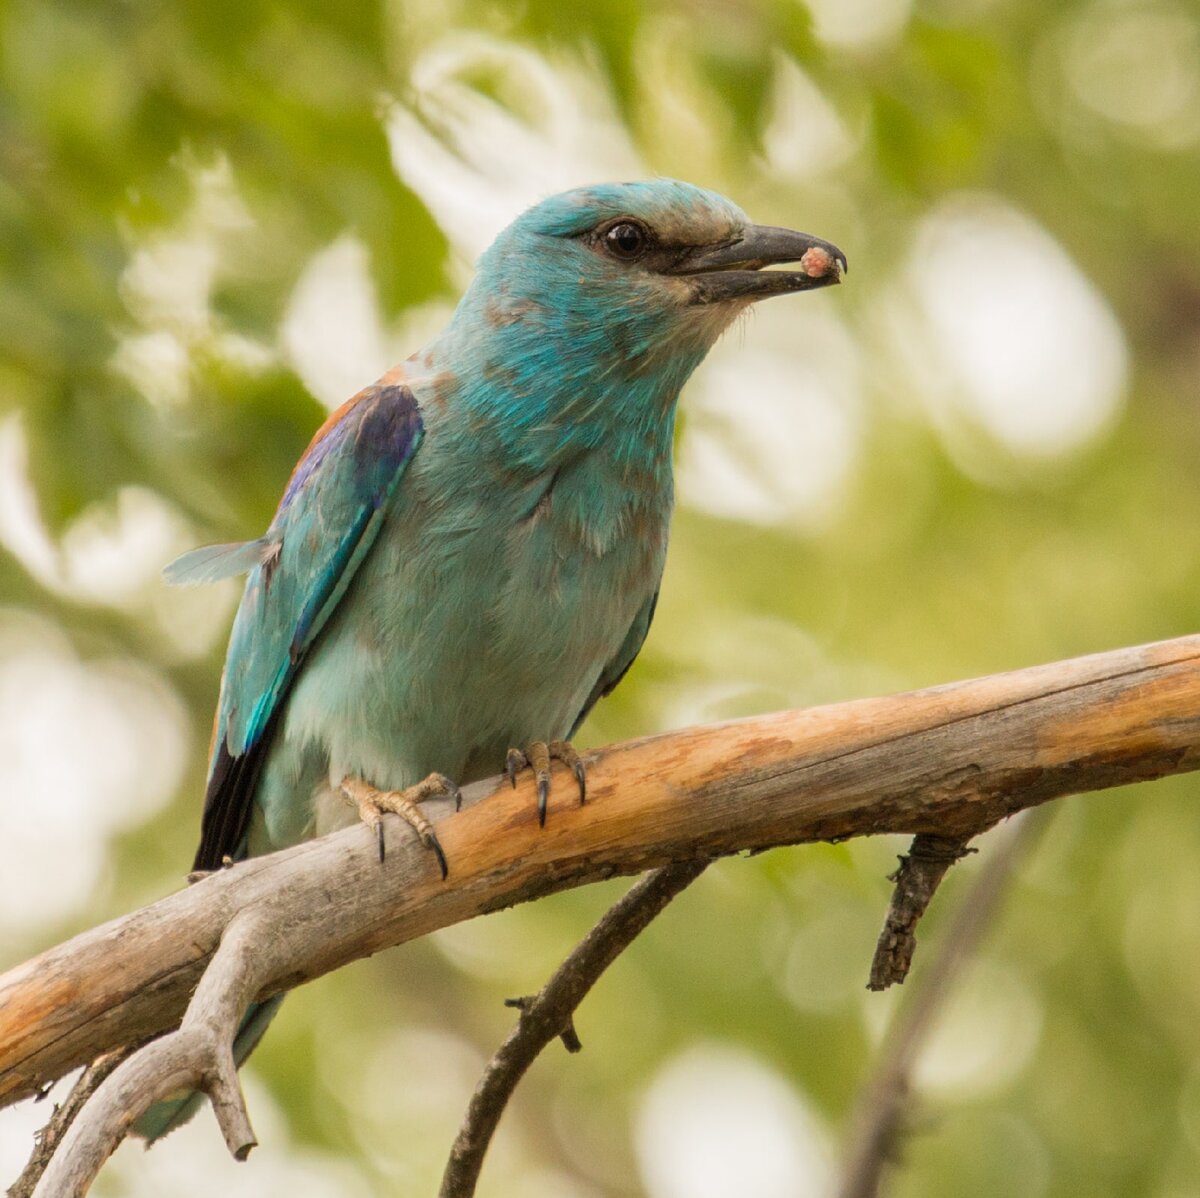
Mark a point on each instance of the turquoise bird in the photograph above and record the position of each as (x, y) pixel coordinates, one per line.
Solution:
(467, 557)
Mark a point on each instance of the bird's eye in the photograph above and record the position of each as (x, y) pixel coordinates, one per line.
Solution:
(626, 240)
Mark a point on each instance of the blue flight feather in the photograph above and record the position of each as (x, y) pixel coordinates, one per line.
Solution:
(324, 527)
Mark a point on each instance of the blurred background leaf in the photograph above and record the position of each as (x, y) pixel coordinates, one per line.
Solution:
(218, 219)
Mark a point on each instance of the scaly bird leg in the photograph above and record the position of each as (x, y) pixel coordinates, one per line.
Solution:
(372, 803)
(537, 756)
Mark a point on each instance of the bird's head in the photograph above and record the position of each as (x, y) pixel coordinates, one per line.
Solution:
(589, 312)
(636, 271)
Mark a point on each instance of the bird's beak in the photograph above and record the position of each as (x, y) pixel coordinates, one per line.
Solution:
(734, 270)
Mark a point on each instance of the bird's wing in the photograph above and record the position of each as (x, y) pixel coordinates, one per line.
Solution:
(328, 519)
(616, 669)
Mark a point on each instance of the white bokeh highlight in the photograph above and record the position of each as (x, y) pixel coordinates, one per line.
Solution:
(167, 290)
(805, 136)
(716, 1121)
(774, 420)
(858, 24)
(333, 334)
(1138, 67)
(985, 1037)
(1008, 343)
(87, 750)
(111, 555)
(478, 161)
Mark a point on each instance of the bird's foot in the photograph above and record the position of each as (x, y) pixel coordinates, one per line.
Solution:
(537, 756)
(372, 803)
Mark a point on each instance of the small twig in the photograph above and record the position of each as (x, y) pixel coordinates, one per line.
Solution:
(199, 1055)
(549, 1014)
(876, 1124)
(569, 1036)
(47, 1140)
(920, 874)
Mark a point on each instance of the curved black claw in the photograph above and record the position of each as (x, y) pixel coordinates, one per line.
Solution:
(440, 786)
(431, 842)
(372, 803)
(432, 787)
(537, 756)
(514, 762)
(436, 845)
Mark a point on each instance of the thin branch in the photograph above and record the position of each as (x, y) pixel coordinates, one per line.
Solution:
(920, 873)
(47, 1140)
(877, 1123)
(569, 1036)
(549, 1014)
(199, 1055)
(945, 762)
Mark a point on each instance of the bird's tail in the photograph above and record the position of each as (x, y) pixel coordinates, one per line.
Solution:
(166, 1116)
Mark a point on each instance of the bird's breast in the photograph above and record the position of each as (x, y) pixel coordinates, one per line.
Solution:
(483, 617)
(578, 566)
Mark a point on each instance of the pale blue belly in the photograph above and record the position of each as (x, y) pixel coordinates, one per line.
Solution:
(463, 634)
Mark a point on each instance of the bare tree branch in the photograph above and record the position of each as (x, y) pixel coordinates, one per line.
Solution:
(198, 1055)
(877, 1123)
(47, 1140)
(920, 874)
(549, 1014)
(944, 762)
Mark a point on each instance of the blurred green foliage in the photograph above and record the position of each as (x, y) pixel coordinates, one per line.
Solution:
(1072, 1067)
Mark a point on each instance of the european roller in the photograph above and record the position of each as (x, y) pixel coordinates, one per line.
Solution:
(467, 556)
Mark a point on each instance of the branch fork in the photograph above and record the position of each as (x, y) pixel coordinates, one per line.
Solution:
(197, 1055)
